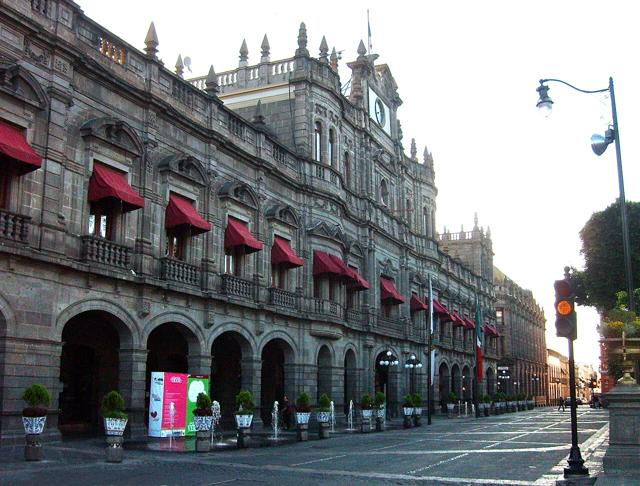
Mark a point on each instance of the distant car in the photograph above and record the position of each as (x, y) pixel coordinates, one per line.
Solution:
(579, 401)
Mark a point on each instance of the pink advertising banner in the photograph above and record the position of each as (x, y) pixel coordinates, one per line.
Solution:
(175, 385)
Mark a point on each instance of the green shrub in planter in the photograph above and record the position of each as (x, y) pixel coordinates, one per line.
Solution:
(452, 398)
(113, 406)
(379, 399)
(38, 398)
(417, 400)
(244, 402)
(303, 403)
(324, 403)
(203, 405)
(365, 402)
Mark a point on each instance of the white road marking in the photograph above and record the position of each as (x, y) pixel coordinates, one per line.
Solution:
(437, 463)
(319, 460)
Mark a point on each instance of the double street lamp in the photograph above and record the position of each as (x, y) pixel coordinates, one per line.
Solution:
(599, 144)
(387, 360)
(412, 364)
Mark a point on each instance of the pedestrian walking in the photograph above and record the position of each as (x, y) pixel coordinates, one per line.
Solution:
(561, 404)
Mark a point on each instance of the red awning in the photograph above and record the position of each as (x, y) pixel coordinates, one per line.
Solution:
(440, 310)
(457, 320)
(490, 330)
(358, 282)
(388, 292)
(416, 304)
(107, 183)
(468, 323)
(237, 234)
(283, 254)
(15, 147)
(180, 212)
(331, 265)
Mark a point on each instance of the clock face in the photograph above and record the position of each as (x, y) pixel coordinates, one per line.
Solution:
(380, 113)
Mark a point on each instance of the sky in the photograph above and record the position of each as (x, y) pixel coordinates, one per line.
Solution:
(467, 73)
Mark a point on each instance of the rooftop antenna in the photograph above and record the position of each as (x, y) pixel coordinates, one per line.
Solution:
(369, 32)
(187, 62)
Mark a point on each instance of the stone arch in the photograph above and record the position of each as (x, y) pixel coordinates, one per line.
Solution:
(277, 376)
(188, 328)
(7, 318)
(283, 213)
(444, 383)
(186, 166)
(350, 385)
(324, 361)
(241, 193)
(329, 347)
(115, 132)
(456, 379)
(125, 323)
(291, 353)
(19, 82)
(248, 346)
(491, 381)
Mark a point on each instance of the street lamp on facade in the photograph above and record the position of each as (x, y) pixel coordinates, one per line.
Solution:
(412, 364)
(599, 144)
(387, 360)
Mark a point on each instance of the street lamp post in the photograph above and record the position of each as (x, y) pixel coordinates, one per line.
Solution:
(599, 145)
(412, 364)
(388, 360)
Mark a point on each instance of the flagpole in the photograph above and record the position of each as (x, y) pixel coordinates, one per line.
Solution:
(476, 382)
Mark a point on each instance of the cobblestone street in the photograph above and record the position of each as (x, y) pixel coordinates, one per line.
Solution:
(519, 448)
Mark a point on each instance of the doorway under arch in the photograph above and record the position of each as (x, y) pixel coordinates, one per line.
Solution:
(349, 379)
(276, 354)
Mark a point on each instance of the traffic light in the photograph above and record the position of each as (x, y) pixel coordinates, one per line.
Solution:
(565, 309)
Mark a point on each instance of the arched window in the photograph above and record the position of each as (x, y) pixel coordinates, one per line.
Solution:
(347, 170)
(317, 142)
(332, 147)
(425, 220)
(384, 192)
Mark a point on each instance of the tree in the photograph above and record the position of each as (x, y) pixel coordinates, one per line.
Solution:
(604, 274)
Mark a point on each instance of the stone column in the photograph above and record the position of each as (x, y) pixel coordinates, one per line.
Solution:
(132, 385)
(623, 453)
(251, 375)
(199, 364)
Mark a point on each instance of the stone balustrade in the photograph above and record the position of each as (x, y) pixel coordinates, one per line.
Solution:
(99, 250)
(283, 298)
(179, 271)
(232, 285)
(14, 226)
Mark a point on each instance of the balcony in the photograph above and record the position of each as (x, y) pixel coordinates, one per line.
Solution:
(179, 271)
(14, 226)
(99, 250)
(392, 326)
(283, 298)
(354, 316)
(232, 285)
(327, 308)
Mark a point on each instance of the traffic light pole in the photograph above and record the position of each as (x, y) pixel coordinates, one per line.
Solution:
(576, 463)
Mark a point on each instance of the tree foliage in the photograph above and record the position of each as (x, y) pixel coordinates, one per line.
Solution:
(604, 274)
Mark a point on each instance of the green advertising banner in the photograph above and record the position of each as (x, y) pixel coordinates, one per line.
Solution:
(196, 384)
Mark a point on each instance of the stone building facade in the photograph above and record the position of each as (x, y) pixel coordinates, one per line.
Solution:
(255, 225)
(521, 324)
(558, 373)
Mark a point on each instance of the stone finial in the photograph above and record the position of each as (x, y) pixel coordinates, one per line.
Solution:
(258, 117)
(302, 41)
(333, 60)
(475, 221)
(151, 42)
(414, 150)
(425, 156)
(362, 51)
(244, 53)
(265, 49)
(211, 83)
(324, 51)
(488, 231)
(461, 228)
(179, 66)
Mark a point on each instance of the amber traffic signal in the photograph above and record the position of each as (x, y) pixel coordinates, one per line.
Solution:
(565, 309)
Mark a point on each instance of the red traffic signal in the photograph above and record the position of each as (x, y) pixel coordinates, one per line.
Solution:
(566, 325)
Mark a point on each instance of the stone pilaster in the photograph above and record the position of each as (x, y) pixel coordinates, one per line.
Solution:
(132, 386)
(623, 453)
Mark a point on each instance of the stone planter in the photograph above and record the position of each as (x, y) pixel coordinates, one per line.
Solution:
(365, 425)
(417, 415)
(202, 425)
(33, 427)
(408, 414)
(531, 404)
(114, 429)
(114, 426)
(302, 420)
(450, 407)
(381, 412)
(243, 421)
(486, 409)
(323, 424)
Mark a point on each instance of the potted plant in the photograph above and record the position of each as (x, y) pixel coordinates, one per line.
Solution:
(324, 416)
(202, 421)
(379, 401)
(34, 417)
(452, 399)
(366, 406)
(521, 403)
(244, 415)
(115, 421)
(417, 409)
(407, 410)
(486, 399)
(303, 412)
(531, 404)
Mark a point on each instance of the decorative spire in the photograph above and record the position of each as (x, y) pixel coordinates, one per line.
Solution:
(258, 117)
(324, 51)
(151, 42)
(211, 83)
(362, 50)
(414, 150)
(333, 60)
(264, 54)
(302, 41)
(488, 231)
(244, 53)
(475, 221)
(425, 156)
(179, 66)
